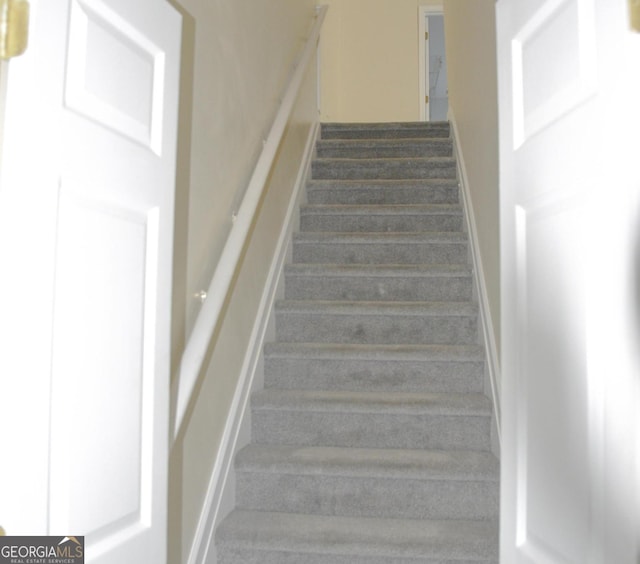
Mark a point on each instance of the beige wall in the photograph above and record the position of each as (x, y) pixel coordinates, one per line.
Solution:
(237, 55)
(370, 57)
(473, 100)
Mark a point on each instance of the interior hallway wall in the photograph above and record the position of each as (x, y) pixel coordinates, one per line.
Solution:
(237, 57)
(473, 99)
(370, 55)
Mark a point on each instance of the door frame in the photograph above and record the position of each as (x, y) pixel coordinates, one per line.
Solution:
(423, 54)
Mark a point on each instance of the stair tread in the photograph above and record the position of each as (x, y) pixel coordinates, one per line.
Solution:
(373, 270)
(376, 191)
(360, 536)
(382, 209)
(416, 130)
(355, 237)
(379, 352)
(395, 125)
(466, 404)
(426, 183)
(410, 308)
(382, 161)
(384, 142)
(384, 167)
(370, 462)
(383, 147)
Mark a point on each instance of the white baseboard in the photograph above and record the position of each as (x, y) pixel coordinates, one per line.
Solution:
(493, 362)
(220, 497)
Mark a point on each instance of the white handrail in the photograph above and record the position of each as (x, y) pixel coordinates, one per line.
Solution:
(207, 320)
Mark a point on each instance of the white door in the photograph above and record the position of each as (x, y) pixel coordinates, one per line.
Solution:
(86, 221)
(425, 67)
(434, 103)
(424, 56)
(569, 131)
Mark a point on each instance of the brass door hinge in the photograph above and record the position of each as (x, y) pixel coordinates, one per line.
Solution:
(634, 14)
(426, 99)
(14, 27)
(426, 35)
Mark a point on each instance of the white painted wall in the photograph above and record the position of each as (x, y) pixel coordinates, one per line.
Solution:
(472, 77)
(237, 56)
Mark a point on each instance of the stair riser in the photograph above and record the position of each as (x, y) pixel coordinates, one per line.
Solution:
(299, 327)
(374, 194)
(367, 496)
(343, 132)
(376, 169)
(370, 430)
(374, 375)
(379, 253)
(377, 223)
(361, 150)
(374, 288)
(248, 556)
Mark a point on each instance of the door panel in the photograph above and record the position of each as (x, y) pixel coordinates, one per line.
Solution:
(569, 216)
(553, 450)
(553, 70)
(89, 203)
(102, 248)
(115, 73)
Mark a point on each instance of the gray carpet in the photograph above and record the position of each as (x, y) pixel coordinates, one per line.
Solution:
(371, 439)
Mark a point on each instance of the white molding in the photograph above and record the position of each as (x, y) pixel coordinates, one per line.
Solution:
(198, 344)
(493, 361)
(222, 479)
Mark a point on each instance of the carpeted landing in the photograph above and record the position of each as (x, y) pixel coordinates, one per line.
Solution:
(371, 439)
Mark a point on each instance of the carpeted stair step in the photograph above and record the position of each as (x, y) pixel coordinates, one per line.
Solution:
(362, 282)
(376, 368)
(376, 322)
(366, 169)
(374, 218)
(380, 248)
(367, 192)
(371, 419)
(392, 483)
(371, 437)
(253, 537)
(383, 148)
(391, 130)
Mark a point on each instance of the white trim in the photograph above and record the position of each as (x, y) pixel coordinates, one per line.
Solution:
(493, 361)
(196, 348)
(423, 55)
(219, 497)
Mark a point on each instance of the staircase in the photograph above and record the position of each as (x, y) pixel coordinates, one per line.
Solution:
(371, 439)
